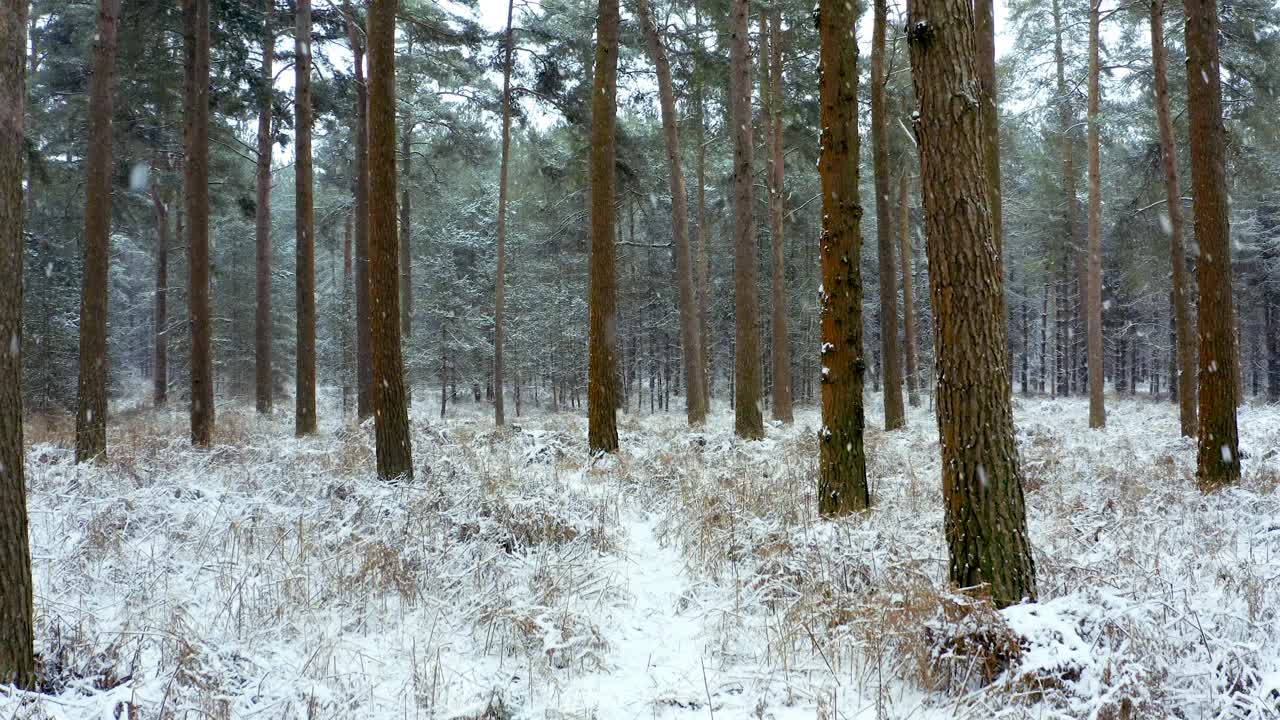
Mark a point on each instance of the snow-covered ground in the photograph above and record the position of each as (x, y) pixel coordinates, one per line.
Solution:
(688, 577)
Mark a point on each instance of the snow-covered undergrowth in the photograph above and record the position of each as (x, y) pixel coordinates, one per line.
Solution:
(687, 577)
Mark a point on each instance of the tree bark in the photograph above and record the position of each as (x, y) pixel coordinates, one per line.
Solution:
(748, 422)
(1093, 303)
(390, 406)
(406, 244)
(894, 414)
(1061, 351)
(704, 236)
(348, 352)
(985, 32)
(160, 319)
(602, 390)
(360, 191)
(842, 464)
(262, 320)
(908, 296)
(500, 292)
(690, 339)
(985, 516)
(17, 643)
(1218, 464)
(91, 401)
(1184, 355)
(196, 167)
(771, 95)
(305, 272)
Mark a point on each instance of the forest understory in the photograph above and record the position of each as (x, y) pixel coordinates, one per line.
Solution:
(685, 577)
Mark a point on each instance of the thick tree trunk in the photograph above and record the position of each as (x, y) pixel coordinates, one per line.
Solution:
(894, 415)
(1184, 355)
(305, 271)
(500, 277)
(262, 320)
(196, 167)
(748, 422)
(602, 381)
(91, 400)
(704, 235)
(771, 97)
(17, 653)
(1219, 458)
(160, 319)
(360, 191)
(690, 339)
(842, 464)
(985, 517)
(908, 295)
(1093, 303)
(390, 406)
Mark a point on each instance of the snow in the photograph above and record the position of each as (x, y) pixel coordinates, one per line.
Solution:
(688, 576)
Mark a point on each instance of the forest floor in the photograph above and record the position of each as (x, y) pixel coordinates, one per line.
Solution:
(687, 577)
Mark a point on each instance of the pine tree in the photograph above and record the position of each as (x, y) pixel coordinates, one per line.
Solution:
(17, 651)
(500, 291)
(602, 403)
(1184, 339)
(360, 191)
(196, 190)
(91, 402)
(748, 422)
(842, 464)
(262, 319)
(1218, 464)
(894, 414)
(985, 516)
(390, 404)
(771, 98)
(305, 269)
(690, 340)
(160, 311)
(908, 293)
(1093, 289)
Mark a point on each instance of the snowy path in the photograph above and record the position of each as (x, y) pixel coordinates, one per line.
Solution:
(656, 652)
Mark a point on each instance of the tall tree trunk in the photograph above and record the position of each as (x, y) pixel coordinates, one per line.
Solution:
(360, 189)
(196, 167)
(908, 296)
(690, 340)
(1185, 339)
(500, 277)
(262, 320)
(17, 644)
(985, 516)
(842, 464)
(305, 272)
(894, 415)
(406, 243)
(1062, 354)
(160, 373)
(748, 422)
(602, 391)
(1093, 303)
(1219, 457)
(704, 236)
(390, 406)
(985, 33)
(348, 354)
(771, 94)
(91, 401)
